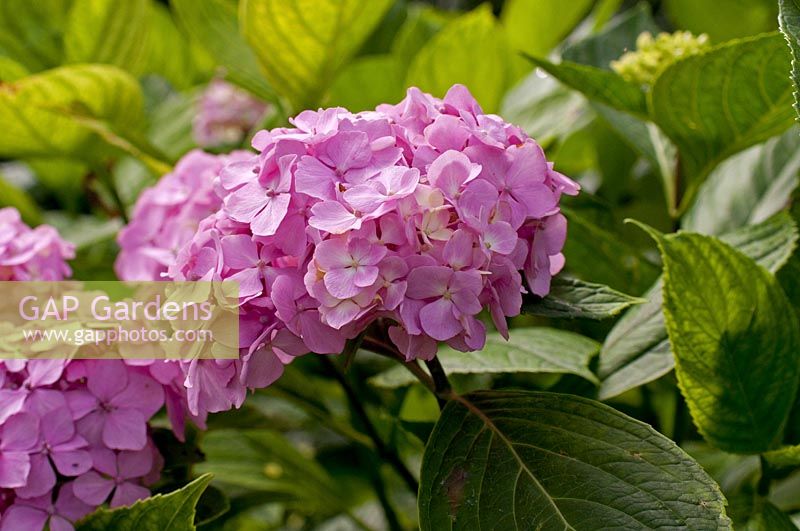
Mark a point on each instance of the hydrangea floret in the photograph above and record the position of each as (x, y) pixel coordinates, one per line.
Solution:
(653, 54)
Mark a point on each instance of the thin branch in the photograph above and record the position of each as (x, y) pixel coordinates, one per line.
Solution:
(441, 385)
(381, 448)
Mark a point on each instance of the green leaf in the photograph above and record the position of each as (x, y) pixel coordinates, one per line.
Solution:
(737, 18)
(788, 456)
(545, 109)
(367, 82)
(11, 70)
(169, 52)
(213, 25)
(470, 50)
(537, 26)
(637, 349)
(747, 188)
(732, 330)
(30, 32)
(604, 256)
(769, 518)
(619, 37)
(265, 462)
(789, 19)
(422, 23)
(718, 103)
(166, 512)
(528, 350)
(125, 26)
(646, 138)
(32, 110)
(524, 460)
(302, 45)
(597, 84)
(572, 298)
(13, 196)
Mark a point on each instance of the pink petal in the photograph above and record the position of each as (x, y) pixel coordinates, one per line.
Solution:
(239, 251)
(22, 517)
(14, 469)
(458, 250)
(20, 432)
(11, 402)
(261, 369)
(245, 203)
(346, 149)
(142, 393)
(427, 282)
(333, 254)
(266, 223)
(500, 237)
(107, 378)
(365, 276)
(92, 488)
(364, 198)
(342, 314)
(438, 320)
(127, 494)
(41, 478)
(319, 338)
(125, 429)
(314, 179)
(57, 427)
(134, 464)
(447, 132)
(333, 217)
(341, 283)
(72, 463)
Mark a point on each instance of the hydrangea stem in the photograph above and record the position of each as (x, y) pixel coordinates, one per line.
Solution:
(441, 385)
(381, 448)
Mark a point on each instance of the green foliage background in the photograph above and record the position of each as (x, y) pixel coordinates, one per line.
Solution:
(656, 386)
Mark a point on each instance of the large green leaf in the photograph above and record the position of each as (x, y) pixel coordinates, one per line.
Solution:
(35, 111)
(747, 188)
(732, 330)
(598, 84)
(422, 23)
(470, 50)
(537, 26)
(723, 21)
(718, 103)
(108, 32)
(169, 53)
(545, 109)
(166, 512)
(30, 32)
(637, 349)
(523, 460)
(576, 299)
(367, 82)
(604, 256)
(213, 25)
(302, 45)
(531, 350)
(790, 25)
(617, 38)
(265, 462)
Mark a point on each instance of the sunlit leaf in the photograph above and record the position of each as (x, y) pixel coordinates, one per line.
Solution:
(302, 45)
(470, 50)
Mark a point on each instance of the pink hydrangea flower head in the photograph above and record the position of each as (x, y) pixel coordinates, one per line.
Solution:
(166, 215)
(421, 214)
(31, 254)
(225, 115)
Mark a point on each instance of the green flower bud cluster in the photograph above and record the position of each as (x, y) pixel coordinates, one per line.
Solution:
(653, 54)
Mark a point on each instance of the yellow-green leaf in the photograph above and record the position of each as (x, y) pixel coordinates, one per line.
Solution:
(471, 50)
(113, 33)
(33, 109)
(303, 44)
